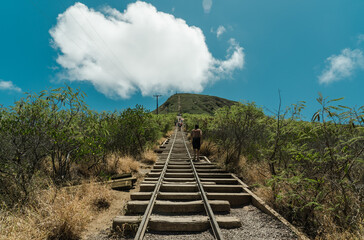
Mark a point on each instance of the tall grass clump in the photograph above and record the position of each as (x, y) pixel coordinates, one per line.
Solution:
(55, 213)
(149, 157)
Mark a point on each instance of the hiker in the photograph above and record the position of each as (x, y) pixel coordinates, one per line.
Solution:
(196, 135)
(179, 125)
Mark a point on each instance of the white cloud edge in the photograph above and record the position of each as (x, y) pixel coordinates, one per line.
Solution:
(9, 85)
(344, 65)
(220, 30)
(235, 60)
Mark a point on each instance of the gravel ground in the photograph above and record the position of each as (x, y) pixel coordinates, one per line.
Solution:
(257, 225)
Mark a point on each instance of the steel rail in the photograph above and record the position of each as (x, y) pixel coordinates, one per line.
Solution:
(144, 223)
(214, 225)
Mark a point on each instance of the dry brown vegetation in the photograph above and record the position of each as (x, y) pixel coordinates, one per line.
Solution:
(257, 176)
(55, 213)
(165, 137)
(121, 164)
(208, 148)
(63, 213)
(149, 157)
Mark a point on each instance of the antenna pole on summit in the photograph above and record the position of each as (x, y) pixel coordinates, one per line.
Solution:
(157, 96)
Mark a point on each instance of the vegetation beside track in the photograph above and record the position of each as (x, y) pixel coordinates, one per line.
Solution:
(52, 139)
(311, 172)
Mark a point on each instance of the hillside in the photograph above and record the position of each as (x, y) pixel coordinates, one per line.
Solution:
(193, 103)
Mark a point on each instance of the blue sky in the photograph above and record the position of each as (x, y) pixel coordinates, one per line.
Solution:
(120, 53)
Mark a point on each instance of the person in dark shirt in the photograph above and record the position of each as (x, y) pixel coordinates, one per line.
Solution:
(196, 135)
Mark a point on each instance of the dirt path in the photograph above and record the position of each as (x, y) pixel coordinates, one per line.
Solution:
(100, 227)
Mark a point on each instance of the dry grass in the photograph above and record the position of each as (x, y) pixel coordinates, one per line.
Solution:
(114, 164)
(329, 231)
(266, 194)
(256, 176)
(254, 173)
(208, 148)
(165, 137)
(149, 157)
(169, 133)
(160, 141)
(121, 164)
(55, 213)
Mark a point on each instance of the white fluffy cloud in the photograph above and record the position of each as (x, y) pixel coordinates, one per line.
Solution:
(220, 30)
(140, 49)
(8, 85)
(235, 60)
(342, 65)
(207, 4)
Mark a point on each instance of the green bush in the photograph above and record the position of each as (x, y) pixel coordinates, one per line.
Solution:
(55, 129)
(316, 167)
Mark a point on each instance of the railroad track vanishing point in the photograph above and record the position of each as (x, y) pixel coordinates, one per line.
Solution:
(182, 196)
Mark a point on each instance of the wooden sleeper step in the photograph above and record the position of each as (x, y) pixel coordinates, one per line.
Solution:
(192, 188)
(176, 224)
(235, 199)
(134, 207)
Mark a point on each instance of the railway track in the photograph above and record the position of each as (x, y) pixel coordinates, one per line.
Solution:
(182, 196)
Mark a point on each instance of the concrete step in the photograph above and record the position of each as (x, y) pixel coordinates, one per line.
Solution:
(171, 179)
(214, 175)
(176, 224)
(199, 170)
(189, 175)
(224, 181)
(166, 182)
(216, 180)
(192, 188)
(167, 196)
(217, 170)
(160, 206)
(184, 165)
(172, 175)
(180, 160)
(172, 170)
(174, 166)
(235, 199)
(206, 166)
